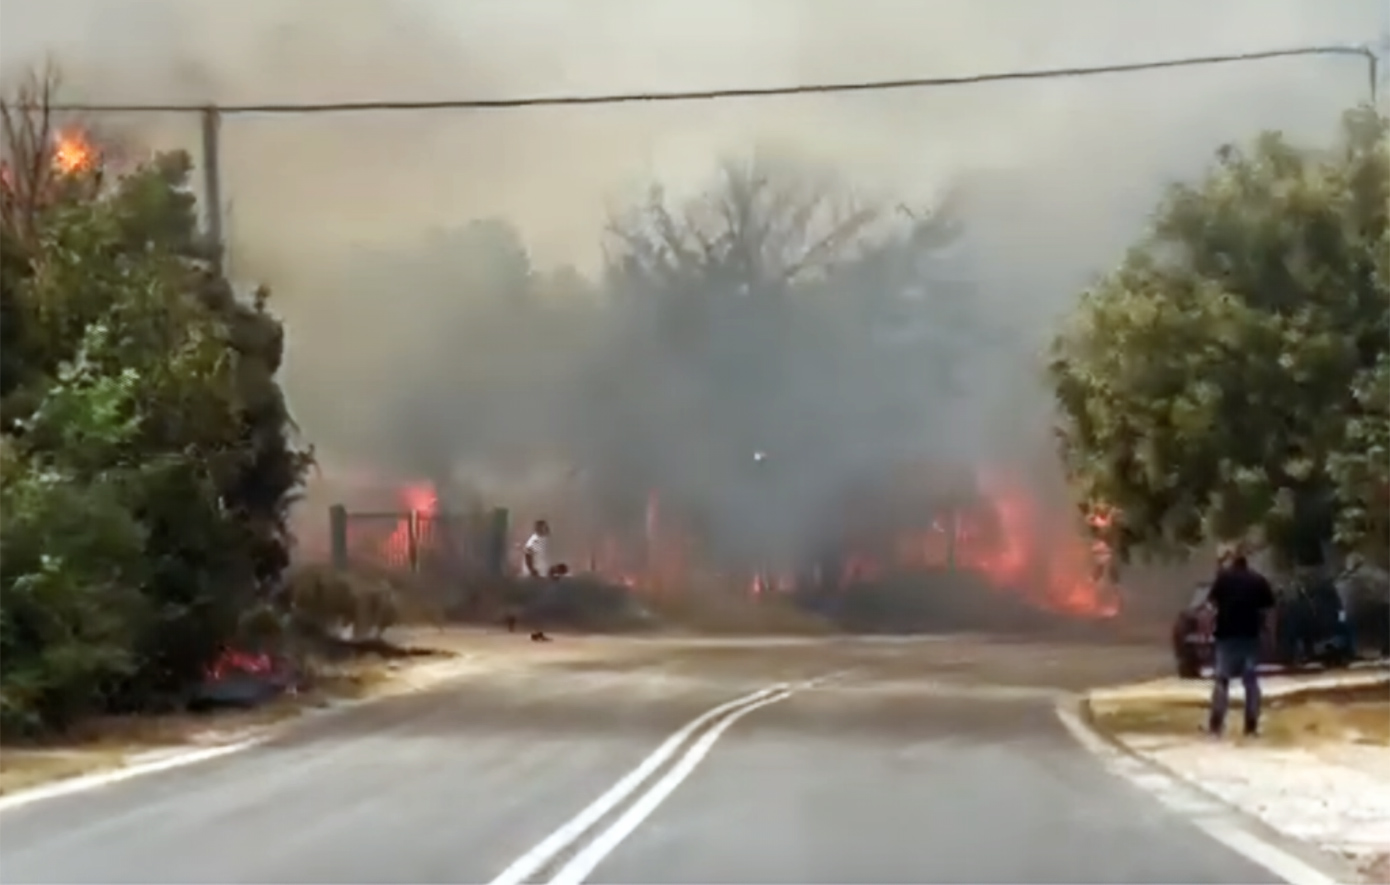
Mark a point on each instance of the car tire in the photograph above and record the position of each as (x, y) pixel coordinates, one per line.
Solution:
(1338, 659)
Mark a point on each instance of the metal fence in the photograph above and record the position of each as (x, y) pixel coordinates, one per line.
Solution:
(456, 544)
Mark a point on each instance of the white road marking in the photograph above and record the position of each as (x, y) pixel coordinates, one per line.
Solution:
(583, 863)
(106, 778)
(1208, 814)
(570, 831)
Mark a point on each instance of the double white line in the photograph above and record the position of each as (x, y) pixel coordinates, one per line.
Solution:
(713, 723)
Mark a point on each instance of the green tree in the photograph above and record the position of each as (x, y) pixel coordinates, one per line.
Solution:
(1228, 380)
(149, 457)
(74, 553)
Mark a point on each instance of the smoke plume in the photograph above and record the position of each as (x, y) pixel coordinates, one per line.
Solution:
(442, 274)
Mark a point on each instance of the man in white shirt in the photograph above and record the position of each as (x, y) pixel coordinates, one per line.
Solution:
(535, 562)
(536, 565)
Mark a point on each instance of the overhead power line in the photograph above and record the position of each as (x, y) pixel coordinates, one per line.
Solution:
(1362, 52)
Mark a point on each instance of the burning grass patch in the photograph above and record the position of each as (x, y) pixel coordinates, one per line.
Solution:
(1358, 715)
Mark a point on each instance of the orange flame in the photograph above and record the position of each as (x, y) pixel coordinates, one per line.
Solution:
(1057, 567)
(421, 503)
(73, 152)
(1009, 541)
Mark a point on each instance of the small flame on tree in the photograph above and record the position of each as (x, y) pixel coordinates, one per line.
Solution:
(73, 151)
(40, 160)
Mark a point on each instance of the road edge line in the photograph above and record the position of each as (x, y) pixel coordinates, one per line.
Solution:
(180, 756)
(578, 868)
(1211, 814)
(573, 829)
(98, 779)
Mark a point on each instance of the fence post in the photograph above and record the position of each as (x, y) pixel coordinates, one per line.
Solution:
(412, 541)
(497, 542)
(337, 535)
(952, 530)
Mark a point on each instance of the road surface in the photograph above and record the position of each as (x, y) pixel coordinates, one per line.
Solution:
(923, 761)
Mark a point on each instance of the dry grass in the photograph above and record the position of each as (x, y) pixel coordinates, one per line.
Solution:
(21, 769)
(109, 742)
(1360, 715)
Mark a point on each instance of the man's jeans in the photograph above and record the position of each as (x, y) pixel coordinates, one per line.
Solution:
(1236, 658)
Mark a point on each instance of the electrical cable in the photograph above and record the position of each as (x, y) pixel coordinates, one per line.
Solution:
(725, 94)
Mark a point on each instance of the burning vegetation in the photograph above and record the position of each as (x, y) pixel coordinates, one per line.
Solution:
(41, 161)
(73, 152)
(733, 400)
(998, 532)
(999, 535)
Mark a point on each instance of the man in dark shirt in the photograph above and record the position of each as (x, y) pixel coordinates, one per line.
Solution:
(1244, 602)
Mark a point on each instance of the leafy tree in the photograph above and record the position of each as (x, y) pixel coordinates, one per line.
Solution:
(1362, 468)
(1229, 378)
(149, 456)
(74, 552)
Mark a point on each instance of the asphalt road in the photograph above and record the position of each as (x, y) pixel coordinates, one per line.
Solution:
(910, 762)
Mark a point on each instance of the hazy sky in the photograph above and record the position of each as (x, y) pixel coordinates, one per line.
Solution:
(1059, 175)
(554, 169)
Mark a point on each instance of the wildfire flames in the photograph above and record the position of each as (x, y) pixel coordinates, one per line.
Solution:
(70, 153)
(1007, 538)
(73, 152)
(1057, 569)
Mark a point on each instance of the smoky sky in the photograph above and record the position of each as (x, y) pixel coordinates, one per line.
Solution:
(403, 248)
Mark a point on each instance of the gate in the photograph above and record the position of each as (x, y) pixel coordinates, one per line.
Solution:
(452, 544)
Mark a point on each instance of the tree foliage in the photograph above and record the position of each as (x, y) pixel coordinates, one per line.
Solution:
(149, 459)
(1230, 378)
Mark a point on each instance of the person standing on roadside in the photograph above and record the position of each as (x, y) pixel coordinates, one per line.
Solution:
(535, 561)
(536, 566)
(1244, 603)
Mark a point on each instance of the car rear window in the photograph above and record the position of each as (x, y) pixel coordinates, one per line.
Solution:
(1199, 595)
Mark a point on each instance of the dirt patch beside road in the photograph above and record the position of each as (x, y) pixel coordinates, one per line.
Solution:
(115, 741)
(726, 614)
(1360, 714)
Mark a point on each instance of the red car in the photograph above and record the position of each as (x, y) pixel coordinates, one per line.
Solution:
(1192, 635)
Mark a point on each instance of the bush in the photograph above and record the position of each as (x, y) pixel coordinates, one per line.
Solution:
(326, 601)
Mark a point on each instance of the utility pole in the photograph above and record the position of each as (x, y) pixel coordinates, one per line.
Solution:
(1380, 58)
(212, 183)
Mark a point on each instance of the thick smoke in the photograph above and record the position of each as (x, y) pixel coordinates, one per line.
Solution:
(442, 274)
